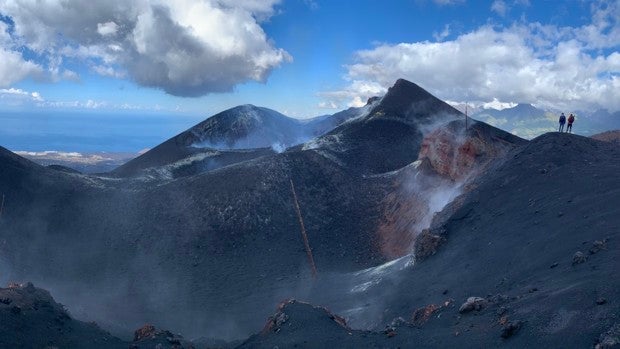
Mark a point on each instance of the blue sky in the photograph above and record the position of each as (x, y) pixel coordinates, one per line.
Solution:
(184, 60)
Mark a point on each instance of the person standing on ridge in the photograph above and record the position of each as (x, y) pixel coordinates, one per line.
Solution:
(562, 122)
(571, 119)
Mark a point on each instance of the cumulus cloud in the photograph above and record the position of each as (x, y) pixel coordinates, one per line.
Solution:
(356, 96)
(13, 66)
(184, 47)
(496, 104)
(557, 67)
(107, 28)
(16, 97)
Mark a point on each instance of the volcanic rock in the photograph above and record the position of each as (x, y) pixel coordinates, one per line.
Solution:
(473, 303)
(598, 246)
(609, 339)
(148, 336)
(579, 258)
(510, 328)
(31, 318)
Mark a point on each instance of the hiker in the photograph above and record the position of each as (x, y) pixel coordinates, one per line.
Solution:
(571, 119)
(562, 122)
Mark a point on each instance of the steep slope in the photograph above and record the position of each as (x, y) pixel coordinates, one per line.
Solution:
(390, 135)
(232, 133)
(537, 241)
(450, 158)
(241, 127)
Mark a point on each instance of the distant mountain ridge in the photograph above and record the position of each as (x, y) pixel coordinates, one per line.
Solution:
(528, 121)
(243, 127)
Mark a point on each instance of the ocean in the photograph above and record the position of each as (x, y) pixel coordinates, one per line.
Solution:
(89, 131)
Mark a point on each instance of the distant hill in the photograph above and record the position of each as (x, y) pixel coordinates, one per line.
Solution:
(523, 120)
(527, 121)
(609, 136)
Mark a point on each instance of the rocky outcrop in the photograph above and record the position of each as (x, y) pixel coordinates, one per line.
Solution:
(450, 158)
(458, 153)
(148, 336)
(473, 303)
(31, 318)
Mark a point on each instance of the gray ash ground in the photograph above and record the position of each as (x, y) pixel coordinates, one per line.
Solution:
(211, 252)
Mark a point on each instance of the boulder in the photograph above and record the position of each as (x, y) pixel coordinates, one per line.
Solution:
(473, 303)
(579, 257)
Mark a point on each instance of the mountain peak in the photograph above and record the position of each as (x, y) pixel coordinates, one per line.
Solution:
(408, 99)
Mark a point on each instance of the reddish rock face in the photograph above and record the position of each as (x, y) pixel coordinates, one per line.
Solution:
(449, 158)
(454, 154)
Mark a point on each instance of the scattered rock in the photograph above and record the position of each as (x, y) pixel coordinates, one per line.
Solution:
(422, 315)
(499, 298)
(601, 301)
(280, 319)
(609, 339)
(502, 311)
(6, 301)
(144, 332)
(473, 303)
(511, 328)
(390, 331)
(598, 246)
(427, 244)
(148, 336)
(579, 258)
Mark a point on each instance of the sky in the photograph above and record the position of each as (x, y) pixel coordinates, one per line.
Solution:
(156, 67)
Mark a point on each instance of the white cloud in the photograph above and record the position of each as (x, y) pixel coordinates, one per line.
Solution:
(557, 67)
(356, 96)
(36, 96)
(448, 2)
(107, 28)
(184, 47)
(444, 33)
(13, 67)
(328, 105)
(108, 71)
(495, 104)
(499, 7)
(15, 97)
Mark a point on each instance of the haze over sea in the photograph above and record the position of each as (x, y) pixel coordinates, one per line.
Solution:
(88, 131)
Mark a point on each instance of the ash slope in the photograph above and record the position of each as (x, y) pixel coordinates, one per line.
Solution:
(237, 134)
(213, 251)
(512, 243)
(390, 135)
